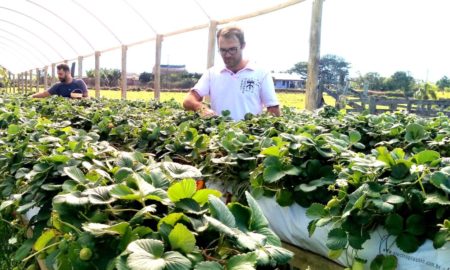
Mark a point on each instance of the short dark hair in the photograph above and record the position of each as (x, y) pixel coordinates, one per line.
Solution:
(64, 67)
(230, 31)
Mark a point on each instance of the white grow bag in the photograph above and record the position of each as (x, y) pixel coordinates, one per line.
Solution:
(291, 223)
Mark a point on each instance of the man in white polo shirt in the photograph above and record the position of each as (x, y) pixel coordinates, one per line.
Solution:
(238, 86)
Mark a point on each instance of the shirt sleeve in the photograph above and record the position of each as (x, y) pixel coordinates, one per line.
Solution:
(268, 95)
(53, 90)
(203, 85)
(83, 87)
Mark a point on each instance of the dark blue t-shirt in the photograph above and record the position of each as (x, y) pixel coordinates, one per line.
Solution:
(64, 89)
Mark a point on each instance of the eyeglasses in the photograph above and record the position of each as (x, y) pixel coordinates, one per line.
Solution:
(231, 51)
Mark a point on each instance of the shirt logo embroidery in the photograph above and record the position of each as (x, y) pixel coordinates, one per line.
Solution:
(249, 85)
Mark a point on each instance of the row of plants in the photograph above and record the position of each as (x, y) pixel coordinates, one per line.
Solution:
(354, 172)
(77, 202)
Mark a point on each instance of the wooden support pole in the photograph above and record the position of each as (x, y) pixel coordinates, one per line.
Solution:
(157, 72)
(53, 74)
(31, 80)
(45, 77)
(211, 44)
(80, 67)
(8, 85)
(124, 72)
(313, 94)
(14, 83)
(97, 74)
(372, 105)
(38, 77)
(26, 82)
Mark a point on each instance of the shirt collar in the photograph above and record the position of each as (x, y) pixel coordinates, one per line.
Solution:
(250, 66)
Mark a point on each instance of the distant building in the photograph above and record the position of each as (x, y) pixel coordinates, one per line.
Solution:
(288, 81)
(170, 69)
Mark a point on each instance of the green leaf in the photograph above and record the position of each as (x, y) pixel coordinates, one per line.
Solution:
(13, 129)
(24, 250)
(337, 239)
(384, 262)
(100, 195)
(184, 189)
(58, 158)
(43, 240)
(208, 266)
(241, 214)
(407, 242)
(441, 180)
(354, 136)
(393, 199)
(273, 174)
(75, 174)
(201, 196)
(271, 151)
(123, 192)
(399, 171)
(439, 240)
(257, 220)
(415, 225)
(122, 173)
(171, 219)
(146, 254)
(99, 229)
(284, 197)
(316, 210)
(436, 198)
(394, 224)
(242, 262)
(221, 212)
(335, 254)
(414, 133)
(280, 255)
(182, 239)
(180, 171)
(383, 206)
(426, 156)
(75, 198)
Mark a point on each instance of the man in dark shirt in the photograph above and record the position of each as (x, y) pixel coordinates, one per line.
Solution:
(66, 86)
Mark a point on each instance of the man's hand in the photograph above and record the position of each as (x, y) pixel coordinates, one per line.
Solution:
(274, 110)
(205, 112)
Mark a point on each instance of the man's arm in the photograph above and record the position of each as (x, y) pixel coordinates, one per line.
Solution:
(274, 110)
(83, 88)
(41, 94)
(193, 102)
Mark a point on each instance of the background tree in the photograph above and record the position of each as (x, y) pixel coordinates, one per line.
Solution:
(443, 83)
(108, 76)
(426, 91)
(401, 80)
(333, 71)
(145, 77)
(373, 80)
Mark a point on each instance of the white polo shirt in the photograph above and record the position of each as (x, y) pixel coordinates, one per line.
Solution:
(247, 91)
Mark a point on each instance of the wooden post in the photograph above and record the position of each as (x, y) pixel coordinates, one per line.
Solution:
(9, 84)
(157, 80)
(53, 74)
(14, 83)
(211, 43)
(31, 80)
(372, 105)
(313, 96)
(80, 67)
(124, 72)
(38, 76)
(26, 82)
(45, 77)
(97, 74)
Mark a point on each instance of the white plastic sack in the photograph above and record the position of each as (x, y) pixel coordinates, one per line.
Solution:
(291, 223)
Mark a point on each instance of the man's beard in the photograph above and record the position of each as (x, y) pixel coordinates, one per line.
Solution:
(62, 80)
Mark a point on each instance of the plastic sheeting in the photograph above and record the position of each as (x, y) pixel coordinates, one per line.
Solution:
(36, 33)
